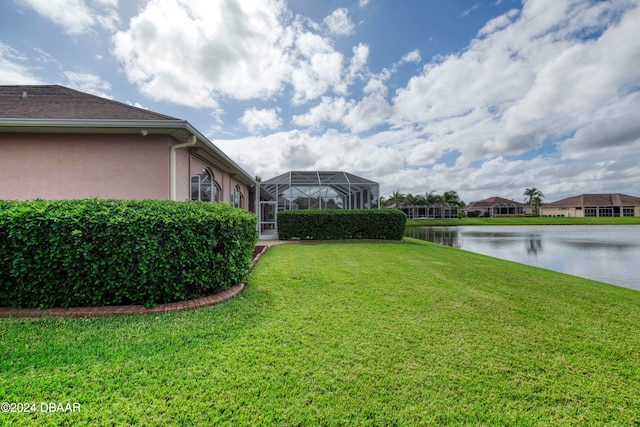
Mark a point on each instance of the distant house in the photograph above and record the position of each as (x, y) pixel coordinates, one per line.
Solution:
(495, 206)
(593, 205)
(58, 143)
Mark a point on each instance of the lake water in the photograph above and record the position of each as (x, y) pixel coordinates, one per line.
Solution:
(607, 253)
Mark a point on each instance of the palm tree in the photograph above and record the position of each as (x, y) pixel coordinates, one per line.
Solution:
(533, 198)
(412, 201)
(396, 198)
(430, 200)
(450, 198)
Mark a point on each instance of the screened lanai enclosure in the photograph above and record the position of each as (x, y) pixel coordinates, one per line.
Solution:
(315, 190)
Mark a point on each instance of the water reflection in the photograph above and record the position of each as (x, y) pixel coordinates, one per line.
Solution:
(606, 253)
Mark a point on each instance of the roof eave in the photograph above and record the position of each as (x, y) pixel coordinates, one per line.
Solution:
(48, 125)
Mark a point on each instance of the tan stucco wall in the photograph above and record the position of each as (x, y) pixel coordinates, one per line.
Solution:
(573, 212)
(71, 166)
(569, 212)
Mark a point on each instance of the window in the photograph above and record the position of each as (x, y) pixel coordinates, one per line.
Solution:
(590, 211)
(606, 211)
(204, 188)
(236, 197)
(628, 211)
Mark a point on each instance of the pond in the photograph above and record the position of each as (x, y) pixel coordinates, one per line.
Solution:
(607, 253)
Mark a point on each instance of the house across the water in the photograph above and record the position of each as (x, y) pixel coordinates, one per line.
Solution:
(593, 205)
(495, 206)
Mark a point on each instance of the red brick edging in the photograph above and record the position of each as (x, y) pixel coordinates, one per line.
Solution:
(133, 309)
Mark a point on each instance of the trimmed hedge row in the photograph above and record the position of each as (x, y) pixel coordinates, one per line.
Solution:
(386, 224)
(96, 252)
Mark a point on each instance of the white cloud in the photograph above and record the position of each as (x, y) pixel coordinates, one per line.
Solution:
(274, 154)
(258, 120)
(528, 83)
(369, 113)
(578, 83)
(313, 78)
(339, 22)
(12, 68)
(136, 104)
(89, 83)
(413, 56)
(190, 52)
(498, 23)
(77, 16)
(330, 110)
(363, 3)
(196, 53)
(468, 11)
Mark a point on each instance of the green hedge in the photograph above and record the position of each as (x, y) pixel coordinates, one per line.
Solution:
(386, 224)
(97, 252)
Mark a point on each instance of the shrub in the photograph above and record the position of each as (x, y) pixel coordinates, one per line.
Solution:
(96, 252)
(386, 224)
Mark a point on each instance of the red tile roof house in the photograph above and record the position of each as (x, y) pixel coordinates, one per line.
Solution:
(58, 143)
(495, 206)
(590, 205)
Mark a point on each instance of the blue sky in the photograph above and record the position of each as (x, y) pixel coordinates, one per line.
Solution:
(486, 98)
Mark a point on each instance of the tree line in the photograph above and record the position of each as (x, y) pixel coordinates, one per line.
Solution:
(397, 199)
(533, 197)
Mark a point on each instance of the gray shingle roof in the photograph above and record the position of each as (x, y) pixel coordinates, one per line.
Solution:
(59, 102)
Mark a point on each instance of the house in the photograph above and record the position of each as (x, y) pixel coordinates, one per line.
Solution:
(590, 205)
(59, 143)
(495, 206)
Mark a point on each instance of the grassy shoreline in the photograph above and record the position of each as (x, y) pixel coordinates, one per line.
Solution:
(522, 221)
(352, 333)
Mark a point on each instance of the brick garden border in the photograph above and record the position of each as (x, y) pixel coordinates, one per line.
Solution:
(134, 309)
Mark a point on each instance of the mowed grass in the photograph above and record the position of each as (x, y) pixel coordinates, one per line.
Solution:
(373, 333)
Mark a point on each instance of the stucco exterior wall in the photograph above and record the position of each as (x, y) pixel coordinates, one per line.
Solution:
(569, 211)
(183, 176)
(576, 211)
(72, 166)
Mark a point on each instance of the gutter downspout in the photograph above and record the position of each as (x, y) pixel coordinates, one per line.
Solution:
(174, 185)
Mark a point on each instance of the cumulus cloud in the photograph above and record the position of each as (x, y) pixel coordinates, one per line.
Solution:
(196, 53)
(413, 56)
(369, 113)
(339, 22)
(498, 23)
(13, 70)
(329, 110)
(189, 52)
(258, 120)
(274, 154)
(77, 16)
(89, 83)
(530, 79)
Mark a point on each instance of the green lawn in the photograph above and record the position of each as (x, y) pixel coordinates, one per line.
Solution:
(522, 221)
(372, 333)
